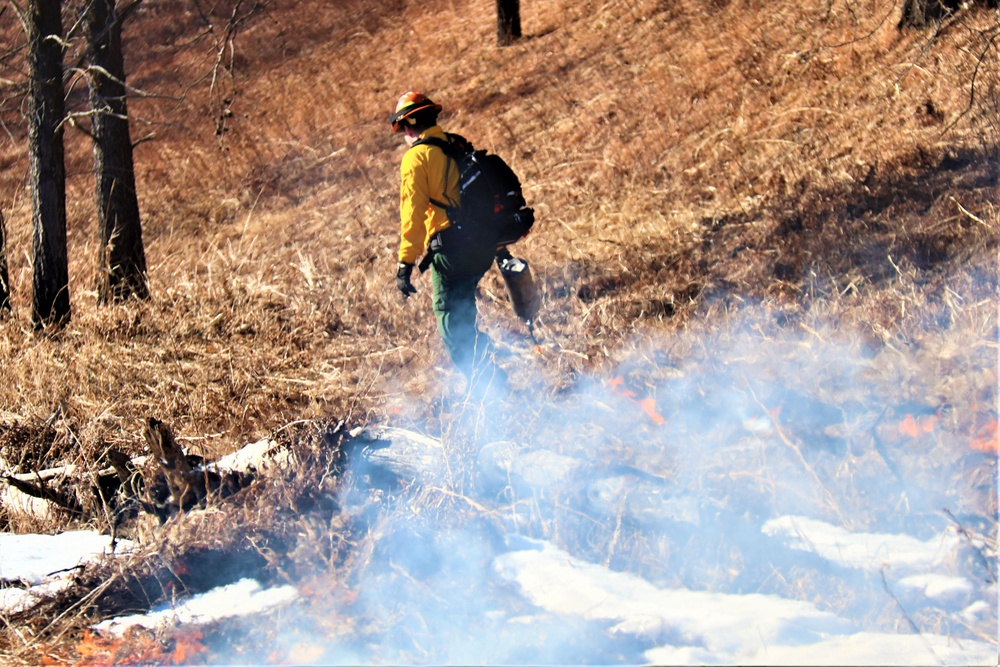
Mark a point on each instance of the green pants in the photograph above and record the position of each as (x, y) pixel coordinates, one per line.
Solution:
(455, 276)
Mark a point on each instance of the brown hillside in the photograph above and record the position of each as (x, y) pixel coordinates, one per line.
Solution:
(677, 154)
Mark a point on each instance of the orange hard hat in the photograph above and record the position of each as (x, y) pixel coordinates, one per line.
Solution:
(409, 104)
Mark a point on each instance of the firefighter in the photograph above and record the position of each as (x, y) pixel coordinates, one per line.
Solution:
(457, 265)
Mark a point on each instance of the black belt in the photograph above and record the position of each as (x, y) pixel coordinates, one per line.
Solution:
(434, 246)
(437, 244)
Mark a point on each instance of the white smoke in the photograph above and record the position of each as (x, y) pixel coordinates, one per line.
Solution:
(768, 481)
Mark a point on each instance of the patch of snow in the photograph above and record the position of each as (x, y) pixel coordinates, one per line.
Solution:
(35, 558)
(972, 613)
(860, 648)
(701, 627)
(46, 563)
(870, 552)
(14, 600)
(257, 456)
(397, 436)
(938, 586)
(719, 622)
(242, 598)
(21, 504)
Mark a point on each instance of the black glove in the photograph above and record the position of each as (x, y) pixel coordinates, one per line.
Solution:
(403, 273)
(526, 216)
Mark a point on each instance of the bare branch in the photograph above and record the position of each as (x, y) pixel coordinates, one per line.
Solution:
(225, 47)
(990, 43)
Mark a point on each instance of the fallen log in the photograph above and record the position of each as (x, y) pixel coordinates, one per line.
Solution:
(20, 505)
(41, 495)
(185, 481)
(164, 485)
(181, 479)
(63, 499)
(70, 489)
(383, 454)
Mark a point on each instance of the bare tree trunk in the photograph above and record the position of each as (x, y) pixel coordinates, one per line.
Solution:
(914, 13)
(919, 13)
(4, 278)
(50, 304)
(121, 258)
(508, 21)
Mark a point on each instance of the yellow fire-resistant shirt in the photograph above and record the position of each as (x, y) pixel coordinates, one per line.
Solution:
(425, 174)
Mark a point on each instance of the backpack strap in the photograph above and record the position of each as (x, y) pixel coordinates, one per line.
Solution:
(454, 147)
(433, 141)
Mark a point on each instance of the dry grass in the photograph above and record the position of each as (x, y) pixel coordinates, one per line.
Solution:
(725, 191)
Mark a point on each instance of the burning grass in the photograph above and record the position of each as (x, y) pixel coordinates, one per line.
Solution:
(138, 648)
(778, 218)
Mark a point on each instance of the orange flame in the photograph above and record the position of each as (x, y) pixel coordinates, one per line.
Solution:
(136, 646)
(914, 427)
(984, 431)
(188, 646)
(985, 438)
(617, 386)
(647, 405)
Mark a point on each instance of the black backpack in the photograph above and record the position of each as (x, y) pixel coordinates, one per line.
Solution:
(491, 206)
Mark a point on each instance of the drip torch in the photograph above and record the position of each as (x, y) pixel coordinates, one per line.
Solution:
(521, 290)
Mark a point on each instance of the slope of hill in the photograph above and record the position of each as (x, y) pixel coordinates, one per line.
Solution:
(760, 200)
(676, 153)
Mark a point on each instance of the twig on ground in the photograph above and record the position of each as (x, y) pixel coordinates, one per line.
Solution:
(906, 615)
(798, 454)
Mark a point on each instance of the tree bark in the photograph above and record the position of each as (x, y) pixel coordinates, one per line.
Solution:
(121, 256)
(920, 13)
(914, 13)
(4, 277)
(185, 486)
(508, 21)
(47, 171)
